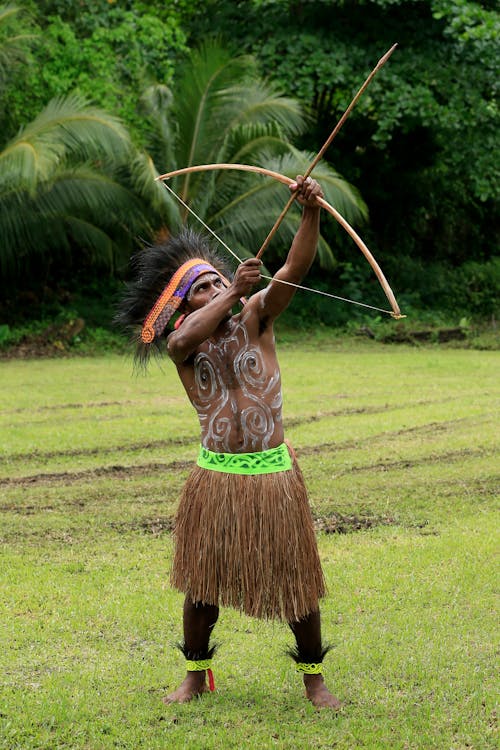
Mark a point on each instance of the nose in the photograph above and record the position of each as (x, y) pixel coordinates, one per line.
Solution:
(214, 291)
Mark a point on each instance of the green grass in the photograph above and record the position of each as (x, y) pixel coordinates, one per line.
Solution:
(400, 442)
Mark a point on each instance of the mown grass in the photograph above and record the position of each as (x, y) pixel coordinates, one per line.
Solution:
(399, 448)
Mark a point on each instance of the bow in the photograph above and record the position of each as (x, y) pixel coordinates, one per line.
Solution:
(395, 312)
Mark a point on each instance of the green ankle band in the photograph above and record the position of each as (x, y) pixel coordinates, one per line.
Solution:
(198, 666)
(309, 668)
(202, 665)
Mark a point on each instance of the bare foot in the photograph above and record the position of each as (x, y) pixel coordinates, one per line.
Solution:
(193, 685)
(318, 693)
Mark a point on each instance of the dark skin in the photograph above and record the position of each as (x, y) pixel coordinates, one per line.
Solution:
(212, 340)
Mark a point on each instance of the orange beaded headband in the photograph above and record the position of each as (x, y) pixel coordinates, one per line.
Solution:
(173, 295)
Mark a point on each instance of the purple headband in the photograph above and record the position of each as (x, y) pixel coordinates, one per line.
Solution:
(173, 295)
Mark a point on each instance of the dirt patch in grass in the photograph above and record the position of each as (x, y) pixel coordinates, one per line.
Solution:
(433, 458)
(297, 421)
(340, 524)
(117, 472)
(26, 510)
(431, 427)
(331, 524)
(122, 472)
(449, 457)
(154, 526)
(146, 445)
(60, 407)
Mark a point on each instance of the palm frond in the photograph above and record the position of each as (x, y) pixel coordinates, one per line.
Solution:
(161, 125)
(21, 167)
(156, 197)
(13, 46)
(210, 70)
(13, 50)
(67, 126)
(260, 103)
(245, 206)
(35, 224)
(244, 142)
(92, 193)
(341, 194)
(8, 11)
(85, 234)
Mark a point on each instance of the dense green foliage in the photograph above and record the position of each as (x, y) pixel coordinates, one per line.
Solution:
(219, 110)
(422, 145)
(73, 181)
(73, 190)
(108, 51)
(51, 191)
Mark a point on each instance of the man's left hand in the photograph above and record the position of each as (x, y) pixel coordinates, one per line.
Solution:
(309, 190)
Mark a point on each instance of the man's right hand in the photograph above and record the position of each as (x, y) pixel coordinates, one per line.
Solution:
(247, 276)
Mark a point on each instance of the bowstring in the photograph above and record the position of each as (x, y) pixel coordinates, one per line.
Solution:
(269, 278)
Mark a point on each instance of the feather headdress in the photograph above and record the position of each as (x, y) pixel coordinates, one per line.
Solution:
(162, 277)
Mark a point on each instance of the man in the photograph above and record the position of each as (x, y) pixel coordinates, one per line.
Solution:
(244, 532)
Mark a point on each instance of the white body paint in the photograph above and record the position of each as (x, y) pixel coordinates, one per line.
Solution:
(236, 395)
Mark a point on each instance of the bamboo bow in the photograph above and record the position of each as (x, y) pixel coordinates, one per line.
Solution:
(396, 312)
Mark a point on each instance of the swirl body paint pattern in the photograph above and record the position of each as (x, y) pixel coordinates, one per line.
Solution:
(237, 395)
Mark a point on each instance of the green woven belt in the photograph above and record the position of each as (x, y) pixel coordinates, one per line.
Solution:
(262, 462)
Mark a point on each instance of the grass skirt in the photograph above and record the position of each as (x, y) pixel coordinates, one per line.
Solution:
(248, 542)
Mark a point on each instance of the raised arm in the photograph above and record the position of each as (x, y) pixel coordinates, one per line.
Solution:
(276, 297)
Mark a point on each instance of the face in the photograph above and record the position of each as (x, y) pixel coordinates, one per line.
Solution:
(203, 290)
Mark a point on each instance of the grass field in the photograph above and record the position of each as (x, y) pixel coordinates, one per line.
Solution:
(399, 447)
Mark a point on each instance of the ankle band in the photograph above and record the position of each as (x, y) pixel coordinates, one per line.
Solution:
(199, 665)
(309, 668)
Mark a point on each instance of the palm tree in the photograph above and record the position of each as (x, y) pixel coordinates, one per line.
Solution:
(70, 181)
(62, 187)
(221, 111)
(12, 44)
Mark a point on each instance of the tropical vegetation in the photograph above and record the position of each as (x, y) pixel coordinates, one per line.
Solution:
(122, 91)
(73, 183)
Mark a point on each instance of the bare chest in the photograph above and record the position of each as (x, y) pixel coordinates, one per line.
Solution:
(236, 391)
(235, 363)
